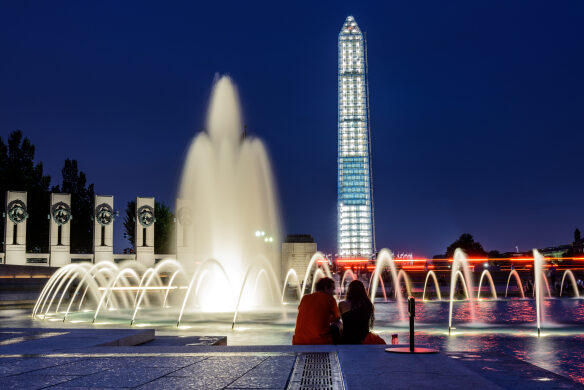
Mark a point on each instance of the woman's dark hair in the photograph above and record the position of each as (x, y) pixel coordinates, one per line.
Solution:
(357, 297)
(324, 283)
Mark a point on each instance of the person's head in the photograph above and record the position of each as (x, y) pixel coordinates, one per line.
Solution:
(356, 292)
(325, 285)
(357, 296)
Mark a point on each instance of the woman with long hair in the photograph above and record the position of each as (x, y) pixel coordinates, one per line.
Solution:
(357, 313)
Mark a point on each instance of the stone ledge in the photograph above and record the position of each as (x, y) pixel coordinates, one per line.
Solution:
(140, 337)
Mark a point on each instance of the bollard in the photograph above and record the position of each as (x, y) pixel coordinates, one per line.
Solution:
(412, 348)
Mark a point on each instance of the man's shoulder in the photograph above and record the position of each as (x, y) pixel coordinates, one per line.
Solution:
(324, 297)
(315, 296)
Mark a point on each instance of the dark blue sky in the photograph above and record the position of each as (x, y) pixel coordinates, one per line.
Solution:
(476, 106)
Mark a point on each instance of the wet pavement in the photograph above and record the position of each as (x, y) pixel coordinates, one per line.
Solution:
(62, 361)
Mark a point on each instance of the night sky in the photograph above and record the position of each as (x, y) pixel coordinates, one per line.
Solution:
(476, 106)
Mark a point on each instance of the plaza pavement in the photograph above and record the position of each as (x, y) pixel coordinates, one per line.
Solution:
(105, 358)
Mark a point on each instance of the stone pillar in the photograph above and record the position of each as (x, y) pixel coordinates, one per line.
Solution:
(60, 230)
(15, 228)
(184, 246)
(103, 228)
(144, 234)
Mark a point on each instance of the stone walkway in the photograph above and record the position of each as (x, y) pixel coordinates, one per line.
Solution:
(166, 366)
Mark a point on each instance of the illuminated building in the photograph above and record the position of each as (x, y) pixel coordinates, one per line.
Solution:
(355, 197)
(297, 250)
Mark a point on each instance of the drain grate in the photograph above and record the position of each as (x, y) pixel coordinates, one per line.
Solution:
(316, 371)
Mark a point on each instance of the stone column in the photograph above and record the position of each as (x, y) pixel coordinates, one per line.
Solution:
(144, 234)
(15, 228)
(184, 246)
(103, 228)
(60, 230)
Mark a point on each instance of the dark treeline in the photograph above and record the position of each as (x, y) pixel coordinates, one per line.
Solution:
(20, 172)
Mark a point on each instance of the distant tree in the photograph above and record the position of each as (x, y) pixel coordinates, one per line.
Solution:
(18, 172)
(163, 227)
(577, 235)
(130, 223)
(82, 198)
(467, 243)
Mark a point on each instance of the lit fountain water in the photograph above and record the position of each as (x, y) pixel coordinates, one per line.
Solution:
(402, 275)
(348, 273)
(460, 277)
(545, 283)
(573, 280)
(318, 274)
(291, 274)
(227, 187)
(518, 280)
(380, 279)
(321, 268)
(538, 262)
(458, 262)
(436, 285)
(493, 290)
(385, 259)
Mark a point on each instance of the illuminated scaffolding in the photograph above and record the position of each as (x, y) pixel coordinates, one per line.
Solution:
(355, 197)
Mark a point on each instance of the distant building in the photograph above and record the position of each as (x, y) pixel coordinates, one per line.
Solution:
(297, 250)
(556, 251)
(355, 197)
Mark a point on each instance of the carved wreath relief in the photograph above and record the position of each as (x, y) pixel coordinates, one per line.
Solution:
(104, 214)
(17, 211)
(146, 216)
(61, 213)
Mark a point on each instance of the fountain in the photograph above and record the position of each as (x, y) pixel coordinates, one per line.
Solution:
(291, 274)
(493, 290)
(228, 262)
(458, 262)
(402, 275)
(380, 279)
(225, 264)
(385, 259)
(518, 280)
(348, 273)
(538, 261)
(573, 280)
(436, 285)
(318, 260)
(227, 185)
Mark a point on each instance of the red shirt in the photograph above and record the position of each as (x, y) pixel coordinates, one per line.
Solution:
(316, 312)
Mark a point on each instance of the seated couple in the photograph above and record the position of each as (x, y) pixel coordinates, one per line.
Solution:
(319, 318)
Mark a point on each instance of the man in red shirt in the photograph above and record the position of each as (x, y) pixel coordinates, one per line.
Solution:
(316, 313)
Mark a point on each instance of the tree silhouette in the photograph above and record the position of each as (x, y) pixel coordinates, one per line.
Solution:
(82, 199)
(467, 243)
(18, 172)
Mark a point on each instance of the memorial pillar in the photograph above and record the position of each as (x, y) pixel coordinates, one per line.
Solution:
(60, 230)
(144, 234)
(15, 228)
(103, 228)
(184, 246)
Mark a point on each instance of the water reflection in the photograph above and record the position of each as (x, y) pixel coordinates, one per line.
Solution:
(501, 326)
(509, 311)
